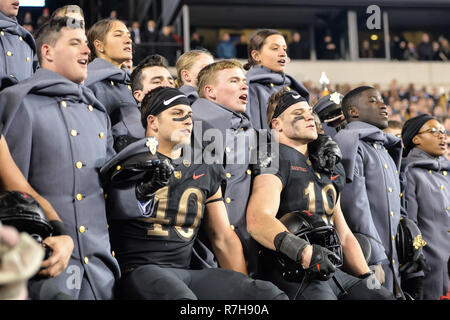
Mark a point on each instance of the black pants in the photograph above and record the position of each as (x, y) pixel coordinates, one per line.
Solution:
(343, 287)
(152, 282)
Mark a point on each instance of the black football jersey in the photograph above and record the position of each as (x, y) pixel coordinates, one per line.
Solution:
(305, 189)
(166, 236)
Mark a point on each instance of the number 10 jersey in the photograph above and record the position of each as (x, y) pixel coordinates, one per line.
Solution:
(166, 235)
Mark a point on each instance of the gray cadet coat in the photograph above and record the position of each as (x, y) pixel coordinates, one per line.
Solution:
(427, 191)
(128, 121)
(59, 136)
(110, 85)
(235, 151)
(190, 92)
(370, 201)
(262, 83)
(17, 52)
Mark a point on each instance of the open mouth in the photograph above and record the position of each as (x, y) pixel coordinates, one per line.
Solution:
(384, 113)
(83, 62)
(16, 5)
(243, 98)
(282, 62)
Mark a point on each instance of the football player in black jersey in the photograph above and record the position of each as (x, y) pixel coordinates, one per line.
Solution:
(154, 244)
(294, 185)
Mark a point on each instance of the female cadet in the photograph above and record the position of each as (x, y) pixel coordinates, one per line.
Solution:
(267, 60)
(108, 77)
(188, 66)
(425, 170)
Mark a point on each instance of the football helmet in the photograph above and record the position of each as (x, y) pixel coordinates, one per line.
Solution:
(22, 211)
(313, 229)
(409, 243)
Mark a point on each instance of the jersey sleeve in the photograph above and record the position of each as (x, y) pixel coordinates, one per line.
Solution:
(272, 163)
(216, 178)
(338, 177)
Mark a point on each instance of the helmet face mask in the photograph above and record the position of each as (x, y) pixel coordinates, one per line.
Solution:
(314, 230)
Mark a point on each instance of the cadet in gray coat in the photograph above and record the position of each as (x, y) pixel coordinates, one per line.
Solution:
(371, 198)
(220, 111)
(189, 65)
(267, 60)
(17, 46)
(150, 73)
(59, 137)
(110, 45)
(427, 185)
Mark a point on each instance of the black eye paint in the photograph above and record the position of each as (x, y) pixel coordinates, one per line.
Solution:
(297, 118)
(182, 119)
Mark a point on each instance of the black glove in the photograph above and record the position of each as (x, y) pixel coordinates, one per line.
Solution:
(418, 263)
(324, 153)
(321, 267)
(414, 287)
(154, 180)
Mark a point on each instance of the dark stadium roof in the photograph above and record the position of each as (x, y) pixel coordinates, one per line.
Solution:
(298, 13)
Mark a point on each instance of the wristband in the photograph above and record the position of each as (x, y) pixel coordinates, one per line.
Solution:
(366, 275)
(290, 245)
(58, 228)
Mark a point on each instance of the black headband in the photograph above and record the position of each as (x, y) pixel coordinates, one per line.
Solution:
(165, 99)
(410, 130)
(287, 99)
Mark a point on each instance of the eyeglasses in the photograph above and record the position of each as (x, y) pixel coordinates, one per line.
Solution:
(435, 132)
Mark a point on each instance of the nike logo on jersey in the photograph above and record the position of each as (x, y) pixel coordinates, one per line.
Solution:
(334, 177)
(167, 102)
(296, 96)
(196, 177)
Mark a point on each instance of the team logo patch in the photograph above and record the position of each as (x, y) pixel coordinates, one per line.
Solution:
(177, 174)
(152, 145)
(186, 163)
(335, 97)
(419, 242)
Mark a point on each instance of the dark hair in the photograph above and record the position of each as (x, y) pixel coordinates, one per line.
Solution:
(256, 41)
(48, 33)
(154, 60)
(350, 98)
(145, 105)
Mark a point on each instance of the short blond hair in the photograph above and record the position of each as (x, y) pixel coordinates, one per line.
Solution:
(186, 61)
(208, 74)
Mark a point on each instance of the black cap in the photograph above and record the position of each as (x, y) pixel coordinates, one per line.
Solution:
(410, 130)
(328, 106)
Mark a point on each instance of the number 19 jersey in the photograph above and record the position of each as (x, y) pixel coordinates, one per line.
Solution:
(305, 189)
